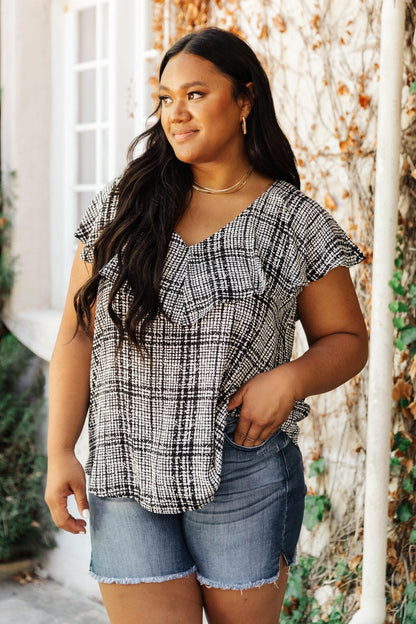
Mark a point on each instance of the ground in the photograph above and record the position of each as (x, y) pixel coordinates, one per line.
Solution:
(43, 601)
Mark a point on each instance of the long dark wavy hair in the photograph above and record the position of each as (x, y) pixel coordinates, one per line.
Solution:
(156, 187)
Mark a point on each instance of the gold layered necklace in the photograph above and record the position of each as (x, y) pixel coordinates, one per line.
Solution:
(231, 189)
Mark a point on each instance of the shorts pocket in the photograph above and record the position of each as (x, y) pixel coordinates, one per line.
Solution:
(229, 434)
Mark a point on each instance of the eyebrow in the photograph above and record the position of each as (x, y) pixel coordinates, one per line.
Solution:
(185, 86)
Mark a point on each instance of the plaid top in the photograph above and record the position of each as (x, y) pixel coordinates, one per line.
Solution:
(230, 304)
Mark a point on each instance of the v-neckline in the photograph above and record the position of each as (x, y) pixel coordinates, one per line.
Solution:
(236, 218)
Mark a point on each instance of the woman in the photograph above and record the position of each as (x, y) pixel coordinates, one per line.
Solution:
(192, 269)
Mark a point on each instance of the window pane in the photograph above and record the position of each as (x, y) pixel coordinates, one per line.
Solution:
(86, 157)
(105, 94)
(104, 157)
(86, 35)
(86, 96)
(83, 200)
(104, 51)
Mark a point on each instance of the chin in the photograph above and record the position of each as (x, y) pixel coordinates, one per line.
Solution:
(189, 159)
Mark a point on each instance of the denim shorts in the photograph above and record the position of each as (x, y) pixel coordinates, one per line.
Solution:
(233, 542)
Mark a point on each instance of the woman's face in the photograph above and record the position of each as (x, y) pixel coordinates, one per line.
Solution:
(199, 115)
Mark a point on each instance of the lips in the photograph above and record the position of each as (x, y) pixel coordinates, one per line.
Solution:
(183, 135)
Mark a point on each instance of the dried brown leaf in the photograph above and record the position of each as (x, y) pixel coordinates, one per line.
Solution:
(264, 33)
(402, 389)
(355, 562)
(412, 369)
(330, 203)
(280, 23)
(342, 89)
(315, 22)
(412, 409)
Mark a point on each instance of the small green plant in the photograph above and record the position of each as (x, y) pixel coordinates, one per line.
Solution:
(25, 525)
(406, 332)
(407, 614)
(317, 467)
(315, 508)
(300, 605)
(401, 594)
(296, 603)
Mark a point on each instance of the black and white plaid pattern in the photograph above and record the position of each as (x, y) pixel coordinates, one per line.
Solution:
(229, 307)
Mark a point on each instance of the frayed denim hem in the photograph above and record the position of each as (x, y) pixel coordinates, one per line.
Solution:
(238, 587)
(135, 581)
(210, 584)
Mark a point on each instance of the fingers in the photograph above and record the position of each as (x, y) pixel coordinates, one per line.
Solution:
(250, 434)
(82, 501)
(66, 477)
(61, 516)
(236, 399)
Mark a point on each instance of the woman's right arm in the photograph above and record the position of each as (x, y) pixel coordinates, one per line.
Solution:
(69, 379)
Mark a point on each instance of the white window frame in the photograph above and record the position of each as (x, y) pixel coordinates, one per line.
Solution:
(130, 62)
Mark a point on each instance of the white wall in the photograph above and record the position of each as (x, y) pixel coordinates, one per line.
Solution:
(25, 139)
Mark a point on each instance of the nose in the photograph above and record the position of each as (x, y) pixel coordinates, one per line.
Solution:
(179, 111)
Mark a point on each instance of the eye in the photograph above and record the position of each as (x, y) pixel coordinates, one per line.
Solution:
(195, 95)
(165, 99)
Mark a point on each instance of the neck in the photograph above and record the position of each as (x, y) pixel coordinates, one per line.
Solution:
(220, 176)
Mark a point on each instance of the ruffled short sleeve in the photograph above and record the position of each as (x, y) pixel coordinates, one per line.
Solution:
(316, 242)
(321, 243)
(300, 242)
(99, 213)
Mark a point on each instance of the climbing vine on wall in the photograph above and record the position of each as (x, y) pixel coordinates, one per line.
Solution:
(401, 549)
(322, 59)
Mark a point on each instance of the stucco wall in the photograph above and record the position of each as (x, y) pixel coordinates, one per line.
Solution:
(26, 111)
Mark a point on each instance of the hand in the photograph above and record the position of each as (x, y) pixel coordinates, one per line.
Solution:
(65, 477)
(266, 401)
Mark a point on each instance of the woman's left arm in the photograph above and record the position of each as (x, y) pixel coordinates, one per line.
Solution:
(338, 349)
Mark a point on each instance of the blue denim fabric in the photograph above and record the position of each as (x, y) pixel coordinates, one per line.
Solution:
(233, 542)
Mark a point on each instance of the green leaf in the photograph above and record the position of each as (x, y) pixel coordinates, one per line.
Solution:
(315, 506)
(317, 467)
(397, 287)
(412, 290)
(398, 275)
(407, 485)
(399, 344)
(398, 322)
(394, 306)
(410, 590)
(412, 88)
(413, 536)
(398, 262)
(403, 307)
(413, 473)
(408, 334)
(399, 442)
(403, 512)
(341, 569)
(395, 466)
(410, 612)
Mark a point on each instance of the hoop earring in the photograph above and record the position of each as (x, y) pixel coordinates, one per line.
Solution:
(244, 125)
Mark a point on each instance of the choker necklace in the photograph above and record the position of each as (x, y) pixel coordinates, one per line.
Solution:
(231, 189)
